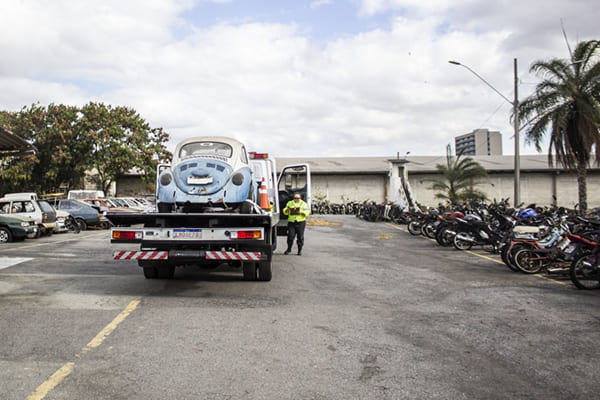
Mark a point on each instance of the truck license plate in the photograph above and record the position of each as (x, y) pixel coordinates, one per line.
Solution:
(187, 234)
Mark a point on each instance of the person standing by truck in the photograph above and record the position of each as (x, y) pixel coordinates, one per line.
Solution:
(297, 210)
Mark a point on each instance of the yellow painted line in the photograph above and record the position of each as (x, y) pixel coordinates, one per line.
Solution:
(490, 259)
(50, 243)
(396, 227)
(56, 378)
(553, 280)
(484, 257)
(108, 329)
(52, 382)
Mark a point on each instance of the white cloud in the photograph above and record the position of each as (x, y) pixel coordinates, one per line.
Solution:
(378, 92)
(319, 3)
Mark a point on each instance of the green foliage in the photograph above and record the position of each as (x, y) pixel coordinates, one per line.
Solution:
(72, 140)
(459, 178)
(121, 141)
(567, 104)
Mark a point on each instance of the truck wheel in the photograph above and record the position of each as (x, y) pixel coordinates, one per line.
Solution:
(165, 208)
(250, 271)
(165, 271)
(150, 273)
(274, 238)
(264, 271)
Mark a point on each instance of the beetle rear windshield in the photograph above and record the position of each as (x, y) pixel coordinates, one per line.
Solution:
(196, 149)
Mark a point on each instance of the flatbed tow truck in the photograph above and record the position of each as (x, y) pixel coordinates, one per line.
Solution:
(215, 204)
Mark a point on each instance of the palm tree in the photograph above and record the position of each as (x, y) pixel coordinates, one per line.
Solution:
(567, 102)
(459, 178)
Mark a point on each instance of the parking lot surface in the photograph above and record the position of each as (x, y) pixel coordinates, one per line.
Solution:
(367, 312)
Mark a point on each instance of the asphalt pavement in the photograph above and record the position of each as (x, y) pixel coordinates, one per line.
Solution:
(367, 312)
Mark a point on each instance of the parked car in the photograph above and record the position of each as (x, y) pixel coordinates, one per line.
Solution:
(28, 205)
(17, 228)
(104, 205)
(61, 217)
(84, 214)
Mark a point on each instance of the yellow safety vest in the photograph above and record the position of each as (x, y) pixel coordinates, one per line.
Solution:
(296, 212)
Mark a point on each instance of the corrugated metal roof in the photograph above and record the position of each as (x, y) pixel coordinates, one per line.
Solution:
(13, 145)
(415, 164)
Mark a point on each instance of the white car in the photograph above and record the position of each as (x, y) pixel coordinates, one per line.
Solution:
(61, 217)
(28, 205)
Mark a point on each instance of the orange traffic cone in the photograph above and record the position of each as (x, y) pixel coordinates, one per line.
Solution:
(263, 196)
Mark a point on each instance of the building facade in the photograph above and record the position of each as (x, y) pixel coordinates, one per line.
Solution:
(480, 142)
(384, 179)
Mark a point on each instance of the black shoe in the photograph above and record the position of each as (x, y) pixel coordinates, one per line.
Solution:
(299, 253)
(287, 252)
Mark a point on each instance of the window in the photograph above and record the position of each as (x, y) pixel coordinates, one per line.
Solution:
(200, 149)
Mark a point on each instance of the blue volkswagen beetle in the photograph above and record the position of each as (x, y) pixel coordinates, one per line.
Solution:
(207, 172)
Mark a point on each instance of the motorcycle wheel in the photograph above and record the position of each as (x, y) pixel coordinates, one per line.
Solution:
(429, 230)
(584, 274)
(460, 244)
(506, 258)
(510, 256)
(525, 261)
(414, 227)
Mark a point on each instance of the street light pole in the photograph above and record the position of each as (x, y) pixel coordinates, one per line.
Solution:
(515, 105)
(516, 127)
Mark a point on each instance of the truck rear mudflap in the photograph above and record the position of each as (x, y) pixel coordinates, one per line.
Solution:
(190, 255)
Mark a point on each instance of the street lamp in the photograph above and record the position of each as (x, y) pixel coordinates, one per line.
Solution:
(515, 105)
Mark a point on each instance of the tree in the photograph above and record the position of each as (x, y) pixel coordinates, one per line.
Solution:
(122, 141)
(459, 178)
(71, 141)
(62, 154)
(567, 103)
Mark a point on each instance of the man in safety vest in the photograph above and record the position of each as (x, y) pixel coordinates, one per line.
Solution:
(297, 210)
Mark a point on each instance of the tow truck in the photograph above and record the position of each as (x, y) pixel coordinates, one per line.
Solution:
(215, 203)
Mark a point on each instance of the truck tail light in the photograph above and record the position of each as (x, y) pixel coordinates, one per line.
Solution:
(44, 218)
(127, 235)
(254, 155)
(246, 235)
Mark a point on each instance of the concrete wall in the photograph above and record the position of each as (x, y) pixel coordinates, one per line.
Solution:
(343, 188)
(133, 186)
(535, 188)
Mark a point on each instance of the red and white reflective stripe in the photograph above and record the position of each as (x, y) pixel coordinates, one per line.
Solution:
(233, 255)
(140, 255)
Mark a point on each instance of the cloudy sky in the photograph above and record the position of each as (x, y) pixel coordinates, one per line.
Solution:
(291, 77)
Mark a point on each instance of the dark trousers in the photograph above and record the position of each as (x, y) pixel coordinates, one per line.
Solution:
(296, 229)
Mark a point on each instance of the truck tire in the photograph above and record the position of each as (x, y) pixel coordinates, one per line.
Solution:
(250, 271)
(274, 238)
(165, 271)
(165, 207)
(157, 269)
(150, 273)
(264, 271)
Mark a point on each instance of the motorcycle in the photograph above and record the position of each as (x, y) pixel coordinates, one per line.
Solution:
(585, 270)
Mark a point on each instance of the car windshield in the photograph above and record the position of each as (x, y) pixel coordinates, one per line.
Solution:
(196, 149)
